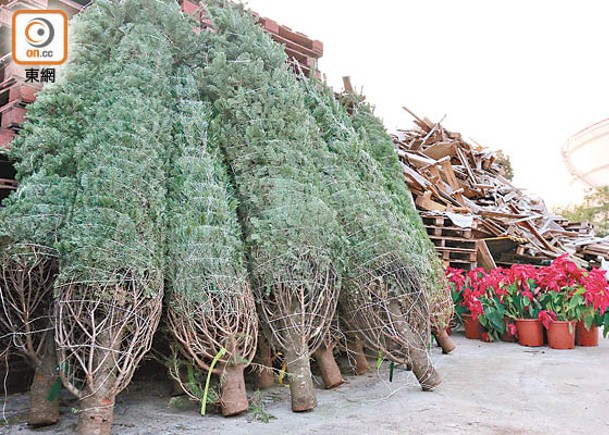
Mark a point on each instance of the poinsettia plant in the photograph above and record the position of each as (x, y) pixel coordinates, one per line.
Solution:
(560, 291)
(477, 293)
(521, 292)
(596, 311)
(456, 280)
(563, 285)
(492, 300)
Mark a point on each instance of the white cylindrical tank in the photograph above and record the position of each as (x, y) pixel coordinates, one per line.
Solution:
(586, 154)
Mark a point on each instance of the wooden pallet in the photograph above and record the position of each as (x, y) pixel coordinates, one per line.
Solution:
(457, 254)
(11, 116)
(449, 232)
(453, 242)
(18, 93)
(437, 220)
(8, 184)
(6, 137)
(455, 245)
(458, 264)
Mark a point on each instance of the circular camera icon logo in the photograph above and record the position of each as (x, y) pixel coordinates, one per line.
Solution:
(39, 32)
(40, 37)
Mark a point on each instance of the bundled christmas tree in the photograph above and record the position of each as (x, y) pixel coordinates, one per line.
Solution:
(110, 286)
(198, 161)
(382, 302)
(211, 309)
(262, 125)
(378, 144)
(43, 155)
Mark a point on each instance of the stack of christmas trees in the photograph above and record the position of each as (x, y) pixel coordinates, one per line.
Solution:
(193, 174)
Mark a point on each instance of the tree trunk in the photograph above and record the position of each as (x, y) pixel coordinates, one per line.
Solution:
(234, 396)
(301, 382)
(425, 372)
(44, 398)
(264, 358)
(356, 349)
(95, 416)
(44, 409)
(330, 373)
(444, 340)
(420, 360)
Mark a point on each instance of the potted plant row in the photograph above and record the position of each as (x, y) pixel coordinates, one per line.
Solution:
(569, 302)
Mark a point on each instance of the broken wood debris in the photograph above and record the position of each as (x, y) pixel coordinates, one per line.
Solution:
(448, 176)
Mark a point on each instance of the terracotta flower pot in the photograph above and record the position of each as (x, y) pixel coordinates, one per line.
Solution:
(529, 332)
(583, 337)
(473, 328)
(561, 335)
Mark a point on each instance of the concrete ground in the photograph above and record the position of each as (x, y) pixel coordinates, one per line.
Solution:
(489, 388)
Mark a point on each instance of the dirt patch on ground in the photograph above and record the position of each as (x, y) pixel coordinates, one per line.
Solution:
(489, 388)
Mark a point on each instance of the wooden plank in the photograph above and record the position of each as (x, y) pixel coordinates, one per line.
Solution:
(439, 150)
(502, 215)
(426, 203)
(417, 160)
(453, 242)
(418, 178)
(420, 121)
(347, 85)
(436, 177)
(457, 232)
(484, 257)
(468, 168)
(451, 255)
(449, 173)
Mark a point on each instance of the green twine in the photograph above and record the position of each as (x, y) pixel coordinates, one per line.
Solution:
(379, 360)
(211, 369)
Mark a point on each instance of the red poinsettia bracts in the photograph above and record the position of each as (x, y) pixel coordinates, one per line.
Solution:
(524, 276)
(597, 290)
(456, 277)
(512, 330)
(559, 291)
(546, 317)
(560, 275)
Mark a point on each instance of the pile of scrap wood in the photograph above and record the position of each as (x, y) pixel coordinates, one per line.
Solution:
(463, 196)
(593, 250)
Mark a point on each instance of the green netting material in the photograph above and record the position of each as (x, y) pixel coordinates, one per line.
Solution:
(210, 304)
(111, 247)
(378, 144)
(30, 222)
(262, 126)
(382, 295)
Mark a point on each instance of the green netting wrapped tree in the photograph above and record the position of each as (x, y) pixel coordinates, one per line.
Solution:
(382, 302)
(211, 309)
(261, 124)
(110, 286)
(379, 145)
(35, 213)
